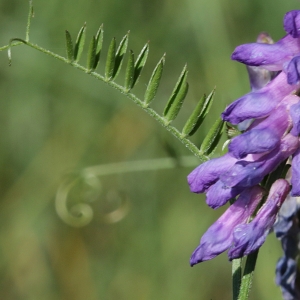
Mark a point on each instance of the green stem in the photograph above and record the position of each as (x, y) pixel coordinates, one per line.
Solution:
(11, 45)
(236, 277)
(140, 165)
(30, 15)
(248, 276)
(165, 123)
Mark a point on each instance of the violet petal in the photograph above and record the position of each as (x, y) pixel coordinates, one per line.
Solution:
(260, 103)
(245, 173)
(291, 23)
(295, 115)
(259, 77)
(254, 141)
(249, 237)
(218, 237)
(295, 181)
(201, 178)
(293, 70)
(270, 56)
(263, 137)
(219, 194)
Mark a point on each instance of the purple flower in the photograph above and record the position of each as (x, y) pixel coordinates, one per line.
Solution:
(218, 237)
(269, 115)
(270, 56)
(219, 194)
(249, 237)
(270, 130)
(208, 173)
(258, 76)
(249, 173)
(260, 103)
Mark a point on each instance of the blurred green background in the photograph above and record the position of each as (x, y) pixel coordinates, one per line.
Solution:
(56, 120)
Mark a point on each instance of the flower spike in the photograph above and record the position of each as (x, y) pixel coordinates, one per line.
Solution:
(268, 118)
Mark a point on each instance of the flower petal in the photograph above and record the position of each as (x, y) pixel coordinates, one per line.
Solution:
(295, 181)
(245, 173)
(260, 103)
(263, 137)
(270, 56)
(291, 23)
(295, 115)
(258, 76)
(219, 194)
(218, 237)
(293, 70)
(208, 173)
(249, 237)
(254, 141)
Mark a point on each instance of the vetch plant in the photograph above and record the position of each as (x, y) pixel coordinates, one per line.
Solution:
(260, 174)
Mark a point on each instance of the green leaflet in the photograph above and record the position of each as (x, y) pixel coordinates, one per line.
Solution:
(177, 97)
(99, 42)
(91, 55)
(115, 58)
(69, 44)
(198, 115)
(129, 74)
(140, 63)
(79, 43)
(154, 82)
(110, 60)
(213, 137)
(120, 55)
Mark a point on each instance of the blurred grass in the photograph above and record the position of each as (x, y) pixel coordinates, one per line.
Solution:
(55, 120)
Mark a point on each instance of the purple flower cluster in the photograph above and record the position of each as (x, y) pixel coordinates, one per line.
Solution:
(269, 116)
